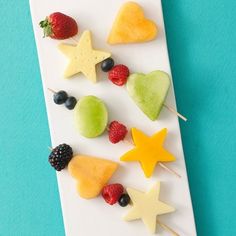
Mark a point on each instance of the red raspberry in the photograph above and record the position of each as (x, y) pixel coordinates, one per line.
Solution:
(119, 74)
(112, 192)
(117, 132)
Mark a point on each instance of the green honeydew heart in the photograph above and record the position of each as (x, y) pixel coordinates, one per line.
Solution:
(149, 91)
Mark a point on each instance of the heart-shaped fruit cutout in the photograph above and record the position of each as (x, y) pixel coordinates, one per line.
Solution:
(91, 173)
(149, 91)
(131, 26)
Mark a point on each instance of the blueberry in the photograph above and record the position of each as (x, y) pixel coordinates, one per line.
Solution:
(107, 64)
(124, 200)
(60, 97)
(70, 103)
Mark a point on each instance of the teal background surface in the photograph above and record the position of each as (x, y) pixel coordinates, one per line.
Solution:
(202, 46)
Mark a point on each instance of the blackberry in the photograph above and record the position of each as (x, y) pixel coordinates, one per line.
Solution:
(60, 156)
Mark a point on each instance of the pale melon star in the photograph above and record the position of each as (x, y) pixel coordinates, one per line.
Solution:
(147, 206)
(83, 58)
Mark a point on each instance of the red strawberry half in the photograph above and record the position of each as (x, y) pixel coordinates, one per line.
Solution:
(59, 26)
(112, 192)
(117, 132)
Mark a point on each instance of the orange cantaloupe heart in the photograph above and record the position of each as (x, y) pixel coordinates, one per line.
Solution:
(92, 174)
(131, 26)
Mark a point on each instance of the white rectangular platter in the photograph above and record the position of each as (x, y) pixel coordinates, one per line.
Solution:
(95, 217)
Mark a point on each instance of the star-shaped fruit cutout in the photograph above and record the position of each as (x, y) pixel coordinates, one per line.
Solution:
(148, 150)
(83, 58)
(147, 206)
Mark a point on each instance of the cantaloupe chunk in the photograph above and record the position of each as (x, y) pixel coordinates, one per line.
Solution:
(91, 116)
(131, 26)
(92, 174)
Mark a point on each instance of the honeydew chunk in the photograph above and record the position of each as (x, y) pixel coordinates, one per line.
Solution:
(91, 116)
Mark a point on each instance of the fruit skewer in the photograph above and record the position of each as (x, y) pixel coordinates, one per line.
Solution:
(117, 132)
(97, 172)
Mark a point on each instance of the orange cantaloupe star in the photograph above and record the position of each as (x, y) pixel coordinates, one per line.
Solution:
(148, 150)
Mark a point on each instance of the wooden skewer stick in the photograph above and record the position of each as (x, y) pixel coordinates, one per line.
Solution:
(175, 112)
(52, 90)
(169, 170)
(128, 142)
(167, 228)
(74, 39)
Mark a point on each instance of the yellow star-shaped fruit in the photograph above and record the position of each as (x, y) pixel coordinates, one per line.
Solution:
(83, 58)
(148, 150)
(146, 206)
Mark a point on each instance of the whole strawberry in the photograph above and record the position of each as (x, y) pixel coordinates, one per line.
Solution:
(112, 193)
(119, 74)
(117, 132)
(59, 26)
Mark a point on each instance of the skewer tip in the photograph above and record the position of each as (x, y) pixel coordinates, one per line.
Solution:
(175, 112)
(51, 90)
